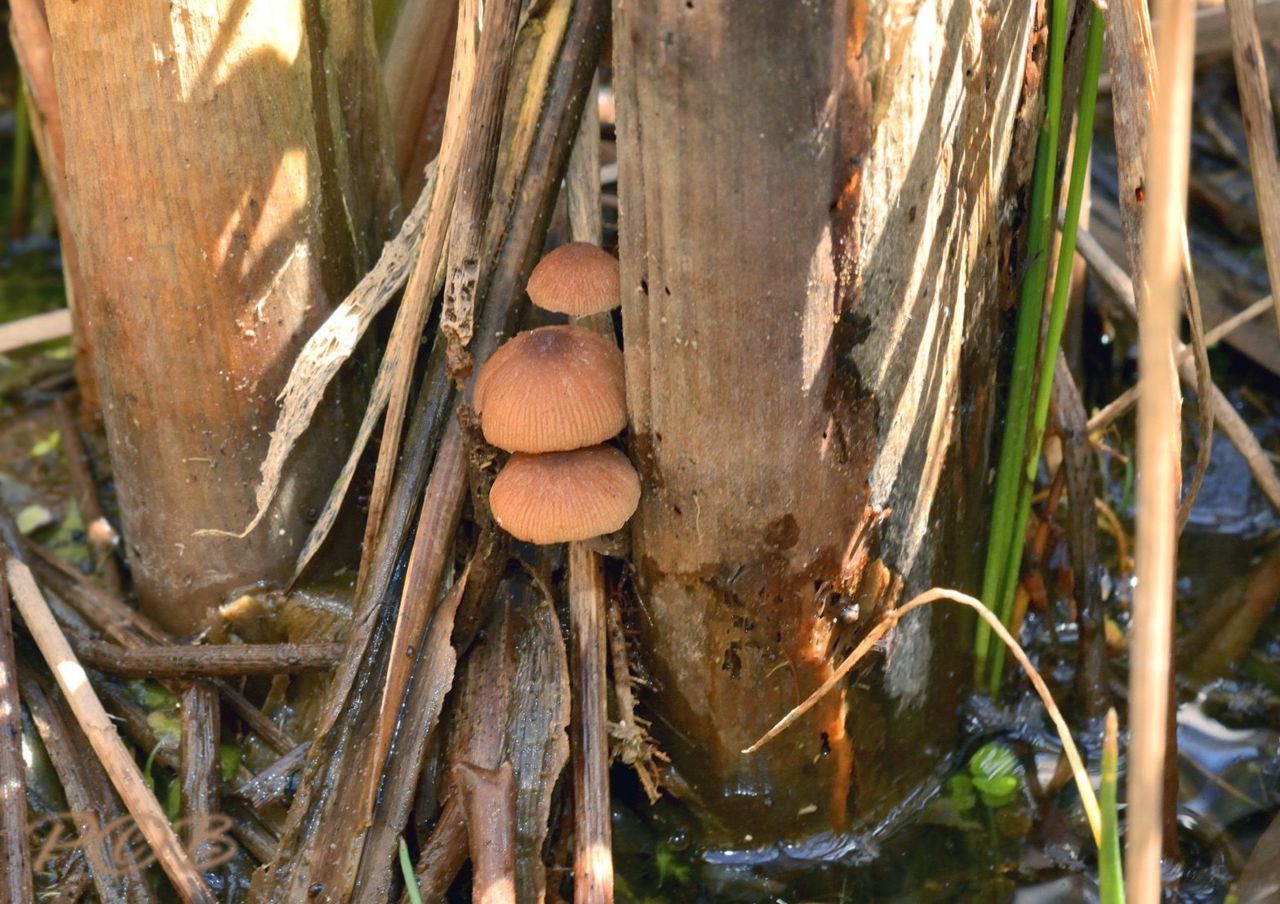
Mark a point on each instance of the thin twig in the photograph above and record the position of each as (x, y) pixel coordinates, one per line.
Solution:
(15, 861)
(202, 662)
(93, 802)
(475, 184)
(1225, 415)
(633, 743)
(1077, 462)
(200, 765)
(272, 784)
(102, 735)
(133, 630)
(428, 560)
(432, 680)
(1203, 387)
(1120, 405)
(1254, 90)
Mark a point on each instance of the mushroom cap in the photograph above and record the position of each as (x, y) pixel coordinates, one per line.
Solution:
(560, 497)
(577, 279)
(550, 390)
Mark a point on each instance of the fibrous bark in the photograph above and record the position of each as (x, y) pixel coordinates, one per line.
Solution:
(809, 197)
(228, 182)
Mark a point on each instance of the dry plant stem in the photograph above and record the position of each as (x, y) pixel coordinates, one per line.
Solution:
(432, 679)
(1259, 127)
(1158, 452)
(34, 329)
(29, 34)
(201, 732)
(475, 182)
(432, 545)
(511, 703)
(887, 624)
(1117, 407)
(101, 732)
(488, 799)
(132, 630)
(205, 662)
(582, 182)
(592, 856)
(86, 496)
(632, 742)
(402, 347)
(1226, 417)
(15, 862)
(1077, 462)
(72, 885)
(1203, 385)
(1133, 67)
(320, 360)
(444, 853)
(479, 149)
(338, 757)
(93, 802)
(272, 783)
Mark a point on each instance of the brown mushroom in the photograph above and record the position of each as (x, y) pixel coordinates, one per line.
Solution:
(577, 279)
(561, 497)
(550, 390)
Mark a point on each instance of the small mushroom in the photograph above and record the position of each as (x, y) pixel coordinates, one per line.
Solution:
(578, 279)
(562, 497)
(550, 390)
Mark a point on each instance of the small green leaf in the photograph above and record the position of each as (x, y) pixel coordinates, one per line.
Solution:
(960, 792)
(229, 760)
(996, 774)
(999, 791)
(173, 801)
(1000, 785)
(50, 443)
(32, 518)
(993, 760)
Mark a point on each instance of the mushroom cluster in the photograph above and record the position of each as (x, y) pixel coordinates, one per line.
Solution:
(553, 397)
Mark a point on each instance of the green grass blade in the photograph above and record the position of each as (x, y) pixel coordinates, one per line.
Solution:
(1110, 865)
(410, 879)
(1030, 307)
(1057, 320)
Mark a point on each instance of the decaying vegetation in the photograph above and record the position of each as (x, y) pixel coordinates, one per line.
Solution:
(291, 648)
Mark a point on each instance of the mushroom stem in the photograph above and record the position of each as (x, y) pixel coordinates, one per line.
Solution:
(593, 854)
(593, 857)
